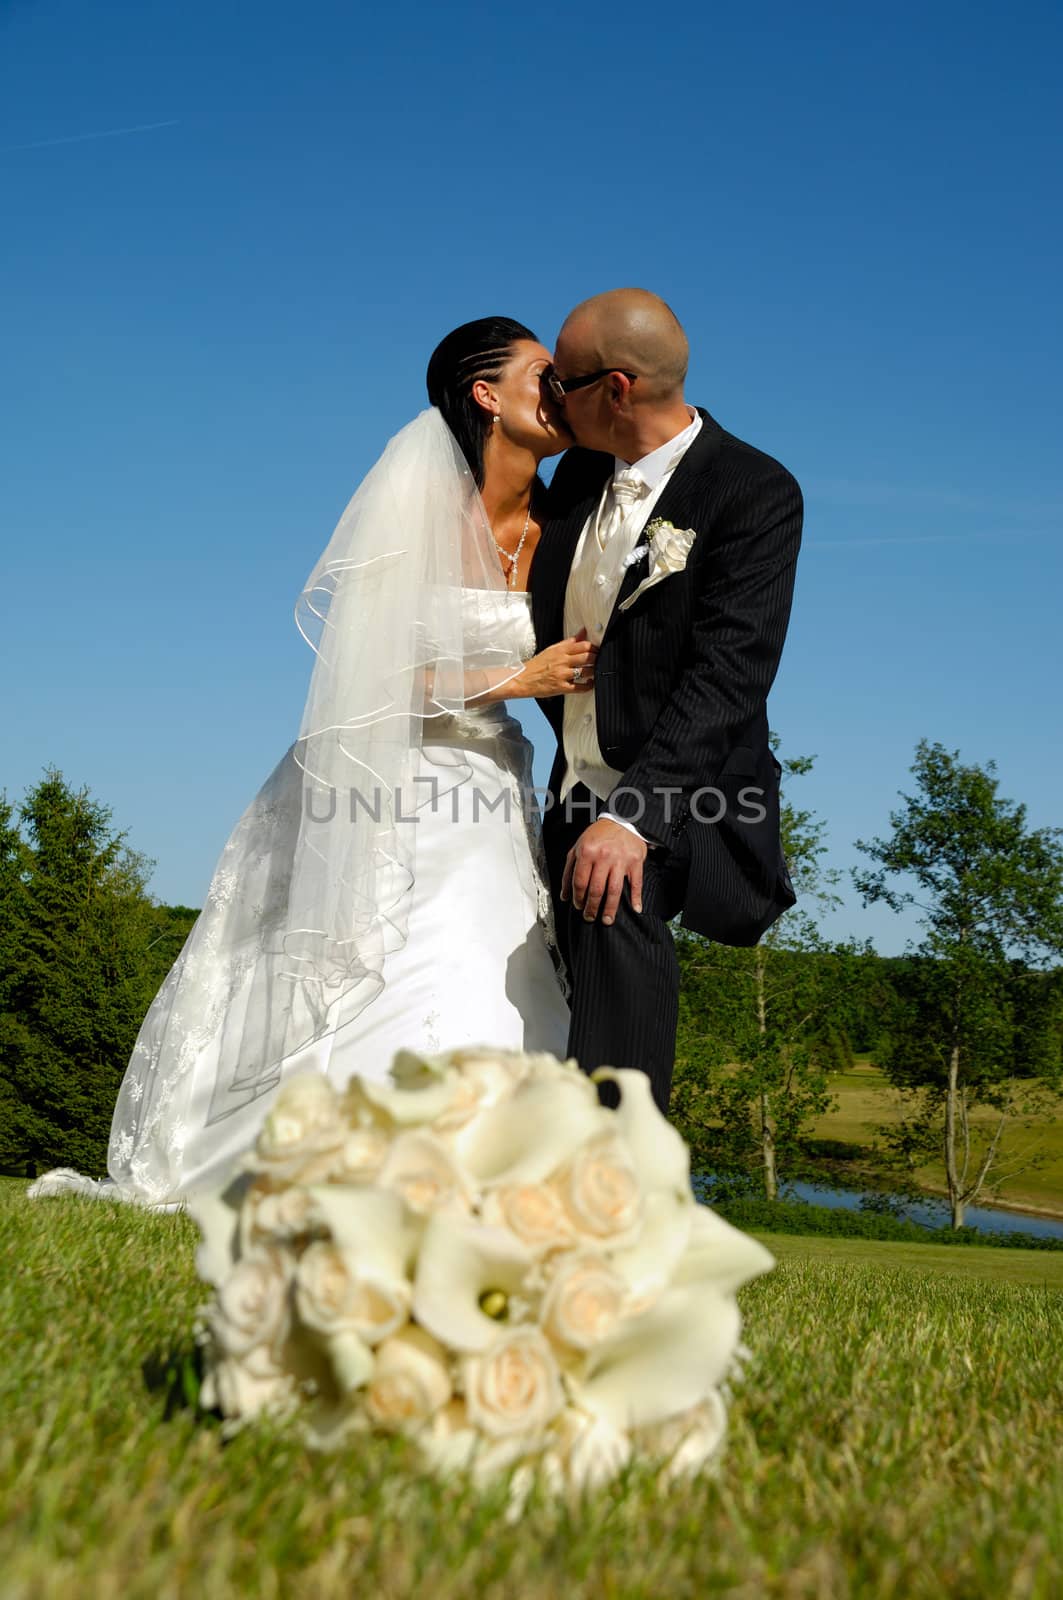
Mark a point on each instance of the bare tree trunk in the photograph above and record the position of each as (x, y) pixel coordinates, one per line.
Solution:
(952, 1106)
(988, 1159)
(956, 1111)
(767, 1135)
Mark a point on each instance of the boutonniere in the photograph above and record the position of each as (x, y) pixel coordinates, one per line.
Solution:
(667, 547)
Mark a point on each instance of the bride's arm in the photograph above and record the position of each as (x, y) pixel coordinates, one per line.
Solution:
(546, 674)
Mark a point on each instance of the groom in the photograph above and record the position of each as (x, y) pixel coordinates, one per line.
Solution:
(674, 545)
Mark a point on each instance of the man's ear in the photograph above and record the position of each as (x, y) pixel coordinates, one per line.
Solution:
(619, 389)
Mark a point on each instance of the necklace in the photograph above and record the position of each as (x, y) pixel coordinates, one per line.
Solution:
(514, 558)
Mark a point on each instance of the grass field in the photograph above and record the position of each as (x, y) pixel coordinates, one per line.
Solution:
(866, 1099)
(897, 1434)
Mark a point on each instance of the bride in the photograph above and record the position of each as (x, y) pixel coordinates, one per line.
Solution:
(385, 888)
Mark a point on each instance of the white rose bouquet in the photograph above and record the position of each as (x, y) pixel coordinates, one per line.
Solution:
(481, 1255)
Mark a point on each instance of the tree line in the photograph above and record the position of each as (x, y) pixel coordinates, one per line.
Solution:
(967, 1025)
(83, 949)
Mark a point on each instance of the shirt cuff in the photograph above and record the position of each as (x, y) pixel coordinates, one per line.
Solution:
(607, 816)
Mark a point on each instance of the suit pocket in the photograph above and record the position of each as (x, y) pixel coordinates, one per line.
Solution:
(741, 763)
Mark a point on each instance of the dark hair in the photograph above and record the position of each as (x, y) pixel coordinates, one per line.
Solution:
(476, 350)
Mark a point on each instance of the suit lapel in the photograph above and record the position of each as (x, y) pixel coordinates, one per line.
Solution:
(552, 564)
(675, 501)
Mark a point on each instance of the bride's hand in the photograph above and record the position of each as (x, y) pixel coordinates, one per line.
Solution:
(563, 668)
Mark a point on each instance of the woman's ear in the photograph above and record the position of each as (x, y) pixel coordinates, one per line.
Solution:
(486, 396)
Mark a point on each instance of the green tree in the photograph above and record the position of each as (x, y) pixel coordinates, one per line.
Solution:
(975, 991)
(77, 931)
(760, 1031)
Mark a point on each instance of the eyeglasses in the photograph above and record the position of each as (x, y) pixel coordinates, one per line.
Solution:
(559, 387)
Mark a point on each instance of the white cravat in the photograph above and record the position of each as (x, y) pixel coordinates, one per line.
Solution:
(625, 490)
(608, 538)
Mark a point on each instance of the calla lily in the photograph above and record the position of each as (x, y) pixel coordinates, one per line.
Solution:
(411, 1071)
(372, 1226)
(527, 1137)
(720, 1255)
(329, 1424)
(660, 1154)
(420, 1167)
(351, 1360)
(649, 1264)
(662, 1363)
(405, 1105)
(460, 1261)
(497, 1070)
(217, 1211)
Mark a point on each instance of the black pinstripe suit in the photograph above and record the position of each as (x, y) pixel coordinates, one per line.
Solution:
(681, 685)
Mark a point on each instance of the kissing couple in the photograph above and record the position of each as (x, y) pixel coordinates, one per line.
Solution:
(391, 885)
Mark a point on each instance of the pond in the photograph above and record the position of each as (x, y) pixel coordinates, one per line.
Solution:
(931, 1213)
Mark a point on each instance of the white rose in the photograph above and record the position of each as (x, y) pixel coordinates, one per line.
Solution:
(302, 1132)
(421, 1168)
(601, 1190)
(360, 1157)
(247, 1388)
(533, 1212)
(689, 1442)
(584, 1302)
(251, 1308)
(580, 1455)
(410, 1379)
(590, 1452)
(482, 1078)
(668, 547)
(282, 1215)
(334, 1295)
(671, 547)
(448, 1444)
(514, 1386)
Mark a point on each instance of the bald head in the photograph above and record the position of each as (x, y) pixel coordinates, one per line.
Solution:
(630, 329)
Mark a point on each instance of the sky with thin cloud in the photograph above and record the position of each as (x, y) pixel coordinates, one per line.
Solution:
(233, 235)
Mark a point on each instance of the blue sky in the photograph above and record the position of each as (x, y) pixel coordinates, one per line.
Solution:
(209, 328)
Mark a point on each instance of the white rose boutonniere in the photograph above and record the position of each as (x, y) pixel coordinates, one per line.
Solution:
(667, 547)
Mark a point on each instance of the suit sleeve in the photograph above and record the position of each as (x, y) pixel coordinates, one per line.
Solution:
(740, 618)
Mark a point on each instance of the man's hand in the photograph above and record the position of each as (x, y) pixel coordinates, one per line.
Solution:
(598, 863)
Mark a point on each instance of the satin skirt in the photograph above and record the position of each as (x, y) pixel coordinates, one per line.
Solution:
(476, 968)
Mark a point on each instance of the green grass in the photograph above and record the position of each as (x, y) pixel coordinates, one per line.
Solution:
(1043, 1269)
(897, 1434)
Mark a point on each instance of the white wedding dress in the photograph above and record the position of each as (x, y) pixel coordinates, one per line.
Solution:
(478, 965)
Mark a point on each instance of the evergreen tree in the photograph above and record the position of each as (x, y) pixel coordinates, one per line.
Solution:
(82, 951)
